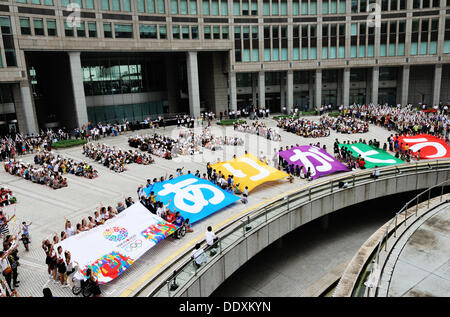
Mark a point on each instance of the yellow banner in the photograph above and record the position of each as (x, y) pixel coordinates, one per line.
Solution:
(248, 171)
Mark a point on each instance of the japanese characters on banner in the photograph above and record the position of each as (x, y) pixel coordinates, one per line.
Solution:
(248, 171)
(109, 249)
(372, 156)
(430, 147)
(318, 160)
(193, 197)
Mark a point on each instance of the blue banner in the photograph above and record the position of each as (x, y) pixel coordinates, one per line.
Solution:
(193, 197)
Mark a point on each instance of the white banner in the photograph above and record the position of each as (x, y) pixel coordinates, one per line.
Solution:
(111, 248)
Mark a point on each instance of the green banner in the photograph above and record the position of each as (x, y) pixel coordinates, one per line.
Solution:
(372, 156)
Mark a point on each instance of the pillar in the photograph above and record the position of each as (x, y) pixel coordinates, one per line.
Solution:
(193, 86)
(437, 84)
(346, 87)
(25, 111)
(79, 99)
(282, 91)
(324, 223)
(233, 96)
(290, 91)
(318, 89)
(405, 85)
(375, 84)
(262, 90)
(254, 89)
(172, 84)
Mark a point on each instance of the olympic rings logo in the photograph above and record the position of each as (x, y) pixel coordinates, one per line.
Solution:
(115, 234)
(133, 245)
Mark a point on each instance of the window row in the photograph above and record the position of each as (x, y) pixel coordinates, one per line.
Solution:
(213, 32)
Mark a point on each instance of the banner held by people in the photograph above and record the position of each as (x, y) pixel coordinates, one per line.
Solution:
(430, 147)
(371, 155)
(248, 171)
(316, 159)
(109, 249)
(193, 197)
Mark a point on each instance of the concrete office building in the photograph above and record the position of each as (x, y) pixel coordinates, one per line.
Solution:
(136, 58)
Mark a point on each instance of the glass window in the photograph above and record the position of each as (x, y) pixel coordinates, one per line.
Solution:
(68, 29)
(255, 55)
(413, 48)
(362, 51)
(147, 31)
(51, 28)
(223, 7)
(205, 7)
(151, 6)
(341, 52)
(38, 26)
(342, 6)
(295, 8)
(275, 54)
(284, 54)
(25, 28)
(48, 2)
(225, 32)
(246, 55)
(81, 29)
(296, 54)
(423, 48)
(193, 6)
(78, 2)
(275, 8)
(105, 5)
(141, 5)
(266, 8)
(185, 30)
(325, 7)
(304, 10)
(207, 32)
(126, 5)
(400, 49)
(325, 52)
(216, 32)
(236, 8)
(313, 10)
(176, 31)
(115, 4)
(162, 32)
(183, 7)
(283, 8)
(89, 4)
(21, 1)
(92, 28)
(64, 3)
(353, 51)
(123, 30)
(174, 6)
(107, 29)
(194, 32)
(161, 6)
(36, 1)
(304, 53)
(215, 7)
(267, 54)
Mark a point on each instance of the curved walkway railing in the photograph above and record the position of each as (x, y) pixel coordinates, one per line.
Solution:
(391, 230)
(170, 281)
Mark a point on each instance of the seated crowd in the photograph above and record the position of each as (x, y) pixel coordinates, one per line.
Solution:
(64, 165)
(155, 144)
(345, 125)
(6, 197)
(207, 139)
(304, 127)
(37, 174)
(258, 128)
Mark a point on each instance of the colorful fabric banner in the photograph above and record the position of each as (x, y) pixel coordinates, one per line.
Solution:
(318, 160)
(372, 156)
(193, 197)
(109, 249)
(248, 171)
(430, 146)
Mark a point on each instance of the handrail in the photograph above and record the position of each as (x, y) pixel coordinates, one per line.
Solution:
(384, 239)
(305, 194)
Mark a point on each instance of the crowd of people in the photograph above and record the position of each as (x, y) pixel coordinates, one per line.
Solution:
(206, 139)
(44, 175)
(156, 144)
(304, 127)
(113, 158)
(346, 125)
(64, 165)
(258, 128)
(403, 119)
(6, 197)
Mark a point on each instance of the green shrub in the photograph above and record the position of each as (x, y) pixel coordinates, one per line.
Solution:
(232, 122)
(334, 114)
(68, 143)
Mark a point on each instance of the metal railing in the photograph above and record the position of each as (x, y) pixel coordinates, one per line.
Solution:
(392, 231)
(239, 228)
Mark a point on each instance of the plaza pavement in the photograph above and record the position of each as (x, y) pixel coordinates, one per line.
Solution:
(47, 208)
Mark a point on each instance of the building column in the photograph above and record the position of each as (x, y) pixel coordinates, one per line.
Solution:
(262, 90)
(78, 89)
(405, 85)
(282, 91)
(233, 96)
(375, 83)
(254, 89)
(290, 91)
(193, 86)
(318, 89)
(346, 87)
(25, 111)
(437, 84)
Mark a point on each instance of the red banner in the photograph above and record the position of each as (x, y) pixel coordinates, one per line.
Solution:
(430, 146)
(430, 110)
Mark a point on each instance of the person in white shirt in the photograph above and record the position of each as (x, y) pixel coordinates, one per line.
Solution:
(198, 255)
(69, 230)
(210, 237)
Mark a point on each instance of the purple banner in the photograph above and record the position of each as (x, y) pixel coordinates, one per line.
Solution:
(320, 162)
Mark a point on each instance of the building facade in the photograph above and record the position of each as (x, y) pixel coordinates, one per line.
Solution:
(64, 63)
